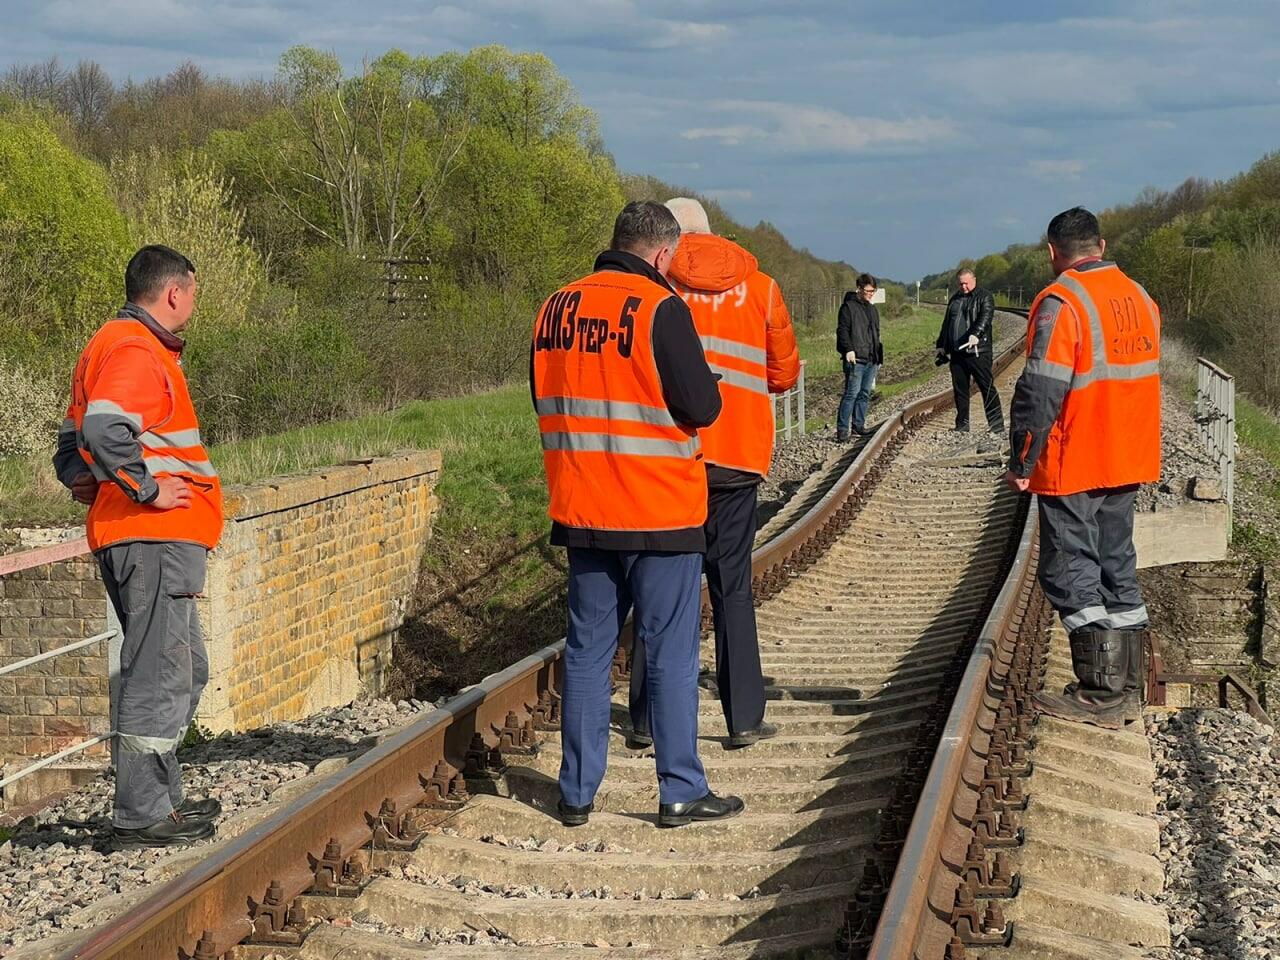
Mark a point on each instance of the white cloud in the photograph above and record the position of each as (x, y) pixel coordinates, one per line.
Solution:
(1056, 169)
(802, 128)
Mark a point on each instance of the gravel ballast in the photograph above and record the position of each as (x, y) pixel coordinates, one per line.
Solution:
(1218, 792)
(59, 862)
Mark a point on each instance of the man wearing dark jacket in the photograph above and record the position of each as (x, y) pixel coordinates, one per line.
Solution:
(965, 339)
(858, 343)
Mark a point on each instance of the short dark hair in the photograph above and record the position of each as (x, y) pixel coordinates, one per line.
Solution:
(152, 269)
(865, 280)
(643, 226)
(1075, 232)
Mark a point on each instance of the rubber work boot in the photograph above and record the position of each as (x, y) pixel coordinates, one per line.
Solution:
(1135, 681)
(1100, 661)
(174, 830)
(206, 809)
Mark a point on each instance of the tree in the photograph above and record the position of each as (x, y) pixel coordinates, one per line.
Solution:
(87, 96)
(372, 149)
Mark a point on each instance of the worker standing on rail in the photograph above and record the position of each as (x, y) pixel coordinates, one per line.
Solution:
(746, 332)
(1085, 433)
(966, 341)
(621, 386)
(862, 352)
(131, 448)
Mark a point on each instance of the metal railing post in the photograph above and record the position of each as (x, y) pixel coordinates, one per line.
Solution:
(800, 395)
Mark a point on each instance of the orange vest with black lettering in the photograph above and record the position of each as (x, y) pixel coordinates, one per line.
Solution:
(171, 446)
(733, 326)
(615, 457)
(1108, 432)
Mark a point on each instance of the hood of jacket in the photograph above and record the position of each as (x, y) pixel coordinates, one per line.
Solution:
(704, 261)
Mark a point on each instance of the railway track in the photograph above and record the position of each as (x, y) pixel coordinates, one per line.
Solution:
(900, 639)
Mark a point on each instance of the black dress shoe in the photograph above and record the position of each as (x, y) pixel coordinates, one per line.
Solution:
(747, 737)
(573, 816)
(206, 809)
(639, 741)
(174, 830)
(709, 807)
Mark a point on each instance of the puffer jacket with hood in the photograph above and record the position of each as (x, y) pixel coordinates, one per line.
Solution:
(748, 340)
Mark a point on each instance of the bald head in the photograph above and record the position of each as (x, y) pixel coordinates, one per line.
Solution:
(689, 214)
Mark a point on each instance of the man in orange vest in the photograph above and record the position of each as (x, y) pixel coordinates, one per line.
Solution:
(131, 448)
(621, 386)
(746, 332)
(1085, 433)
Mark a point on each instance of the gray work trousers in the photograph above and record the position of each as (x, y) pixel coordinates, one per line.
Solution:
(163, 670)
(1088, 564)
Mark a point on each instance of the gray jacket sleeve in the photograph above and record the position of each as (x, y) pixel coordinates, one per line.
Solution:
(67, 462)
(1038, 395)
(111, 432)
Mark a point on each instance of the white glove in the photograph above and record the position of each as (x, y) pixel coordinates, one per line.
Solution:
(851, 357)
(971, 343)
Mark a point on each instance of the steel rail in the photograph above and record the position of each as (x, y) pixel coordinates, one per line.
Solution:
(313, 844)
(923, 885)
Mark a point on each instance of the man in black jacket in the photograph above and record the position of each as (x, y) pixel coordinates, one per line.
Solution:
(965, 339)
(858, 343)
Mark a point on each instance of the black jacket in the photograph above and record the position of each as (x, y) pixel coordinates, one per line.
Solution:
(858, 329)
(692, 395)
(972, 317)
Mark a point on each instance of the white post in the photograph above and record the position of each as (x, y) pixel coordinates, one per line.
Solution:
(800, 396)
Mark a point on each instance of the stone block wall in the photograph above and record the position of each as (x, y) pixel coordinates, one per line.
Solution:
(51, 598)
(305, 595)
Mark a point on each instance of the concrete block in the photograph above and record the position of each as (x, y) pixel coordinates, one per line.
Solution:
(1195, 531)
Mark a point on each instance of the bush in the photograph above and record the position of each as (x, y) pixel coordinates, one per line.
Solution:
(186, 206)
(63, 241)
(30, 411)
(279, 369)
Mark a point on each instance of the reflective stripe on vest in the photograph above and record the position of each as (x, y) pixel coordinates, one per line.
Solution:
(734, 334)
(1108, 431)
(615, 458)
(171, 445)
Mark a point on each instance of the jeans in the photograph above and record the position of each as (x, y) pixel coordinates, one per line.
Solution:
(858, 380)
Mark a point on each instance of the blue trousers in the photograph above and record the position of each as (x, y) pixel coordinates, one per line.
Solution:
(664, 590)
(858, 380)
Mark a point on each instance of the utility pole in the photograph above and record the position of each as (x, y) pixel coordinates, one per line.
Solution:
(918, 293)
(1191, 269)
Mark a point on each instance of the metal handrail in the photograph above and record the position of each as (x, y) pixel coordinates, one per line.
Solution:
(75, 747)
(50, 654)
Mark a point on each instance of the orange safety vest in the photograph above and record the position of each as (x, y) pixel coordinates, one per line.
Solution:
(735, 325)
(171, 445)
(1106, 347)
(615, 457)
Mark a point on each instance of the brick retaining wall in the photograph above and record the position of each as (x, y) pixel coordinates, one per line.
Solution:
(305, 595)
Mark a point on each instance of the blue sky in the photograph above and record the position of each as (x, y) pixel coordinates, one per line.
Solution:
(899, 137)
